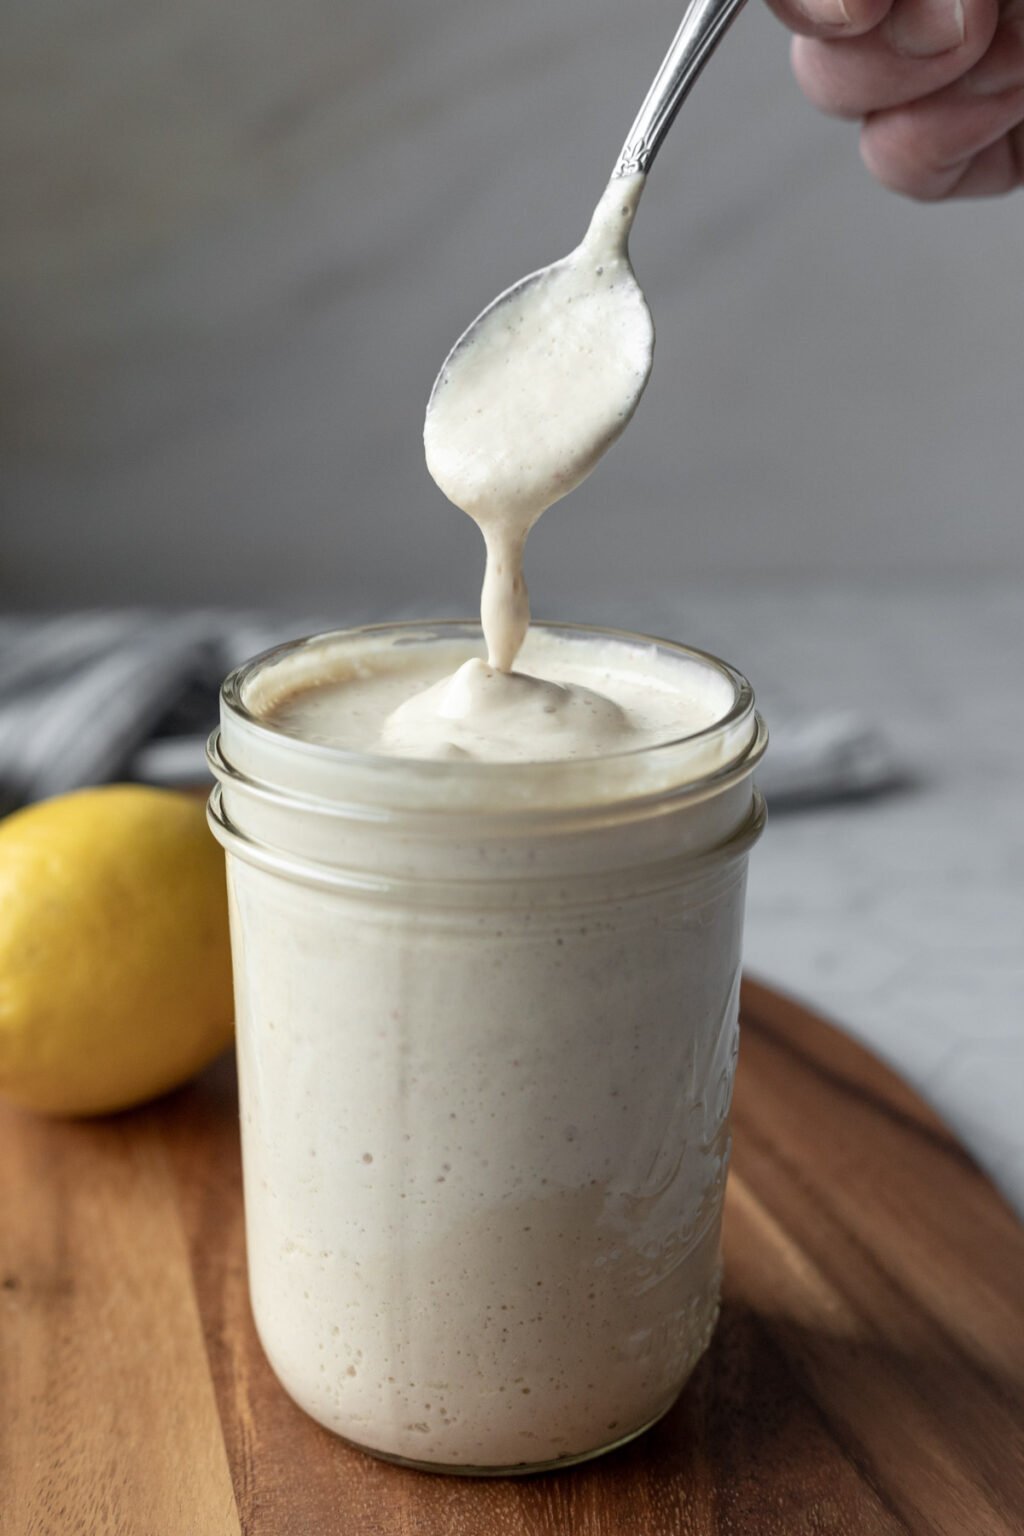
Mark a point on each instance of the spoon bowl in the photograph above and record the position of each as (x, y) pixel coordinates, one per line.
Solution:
(546, 377)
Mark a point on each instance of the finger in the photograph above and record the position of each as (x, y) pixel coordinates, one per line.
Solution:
(1001, 67)
(921, 47)
(830, 18)
(997, 170)
(954, 143)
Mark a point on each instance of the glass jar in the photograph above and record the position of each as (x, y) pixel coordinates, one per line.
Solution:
(487, 1029)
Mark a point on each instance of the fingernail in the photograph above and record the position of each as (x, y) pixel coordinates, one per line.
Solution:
(922, 29)
(826, 13)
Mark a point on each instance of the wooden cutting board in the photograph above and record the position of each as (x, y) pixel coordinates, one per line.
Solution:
(867, 1376)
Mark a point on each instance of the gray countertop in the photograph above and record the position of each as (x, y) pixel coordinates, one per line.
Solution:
(901, 917)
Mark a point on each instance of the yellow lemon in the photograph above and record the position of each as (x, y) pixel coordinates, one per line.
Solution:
(115, 968)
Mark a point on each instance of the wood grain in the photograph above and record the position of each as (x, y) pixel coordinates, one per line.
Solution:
(109, 1422)
(866, 1379)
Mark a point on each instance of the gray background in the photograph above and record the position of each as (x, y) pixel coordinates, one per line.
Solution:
(240, 239)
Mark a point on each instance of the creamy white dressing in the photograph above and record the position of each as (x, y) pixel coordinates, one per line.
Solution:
(576, 699)
(532, 396)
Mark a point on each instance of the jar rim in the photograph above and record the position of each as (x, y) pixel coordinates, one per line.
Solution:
(279, 796)
(463, 771)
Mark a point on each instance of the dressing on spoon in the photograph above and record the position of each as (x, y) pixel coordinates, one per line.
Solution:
(533, 394)
(526, 403)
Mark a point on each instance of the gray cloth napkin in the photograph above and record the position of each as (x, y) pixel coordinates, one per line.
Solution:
(87, 698)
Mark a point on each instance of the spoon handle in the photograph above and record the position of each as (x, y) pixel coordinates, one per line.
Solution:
(701, 30)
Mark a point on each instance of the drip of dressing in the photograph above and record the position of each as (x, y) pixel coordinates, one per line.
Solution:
(528, 400)
(531, 397)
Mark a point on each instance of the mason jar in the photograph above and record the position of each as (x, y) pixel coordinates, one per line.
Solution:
(486, 1033)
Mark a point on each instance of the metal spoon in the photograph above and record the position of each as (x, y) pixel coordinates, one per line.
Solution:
(700, 32)
(702, 28)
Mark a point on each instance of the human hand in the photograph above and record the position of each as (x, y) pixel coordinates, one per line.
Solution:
(937, 84)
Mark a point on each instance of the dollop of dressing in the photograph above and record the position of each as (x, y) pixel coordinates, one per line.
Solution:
(510, 716)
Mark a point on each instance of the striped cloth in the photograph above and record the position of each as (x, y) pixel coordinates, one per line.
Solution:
(92, 697)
